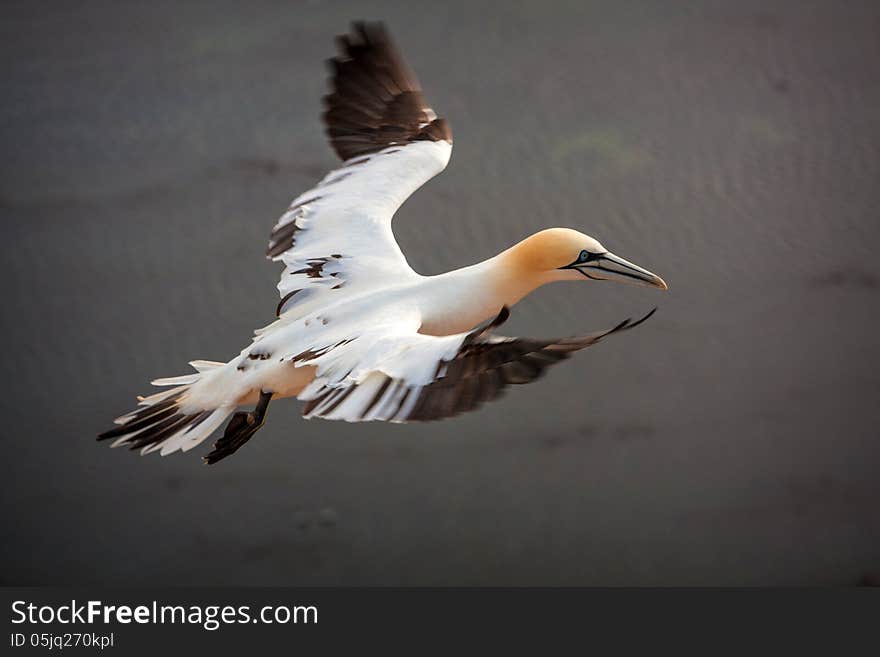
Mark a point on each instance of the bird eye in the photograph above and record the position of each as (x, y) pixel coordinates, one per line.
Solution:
(584, 256)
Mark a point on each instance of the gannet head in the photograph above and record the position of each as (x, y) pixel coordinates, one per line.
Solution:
(567, 254)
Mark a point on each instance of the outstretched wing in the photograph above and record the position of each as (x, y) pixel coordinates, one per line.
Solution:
(413, 377)
(337, 236)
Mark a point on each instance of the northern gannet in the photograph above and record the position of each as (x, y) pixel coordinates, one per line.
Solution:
(359, 335)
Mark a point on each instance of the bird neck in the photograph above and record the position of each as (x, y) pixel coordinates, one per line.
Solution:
(514, 273)
(502, 280)
(462, 298)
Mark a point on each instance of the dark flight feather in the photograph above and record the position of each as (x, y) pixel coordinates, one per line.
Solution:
(375, 99)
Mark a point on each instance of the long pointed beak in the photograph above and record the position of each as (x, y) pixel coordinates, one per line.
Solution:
(614, 268)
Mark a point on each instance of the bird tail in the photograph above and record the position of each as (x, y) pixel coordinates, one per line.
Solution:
(165, 421)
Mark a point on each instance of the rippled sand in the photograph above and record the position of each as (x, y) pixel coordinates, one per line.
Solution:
(732, 147)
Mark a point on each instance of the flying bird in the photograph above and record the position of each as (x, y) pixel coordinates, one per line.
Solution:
(359, 335)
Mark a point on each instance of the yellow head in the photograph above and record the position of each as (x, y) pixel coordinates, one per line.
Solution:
(566, 254)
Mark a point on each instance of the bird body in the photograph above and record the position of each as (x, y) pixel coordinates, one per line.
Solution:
(359, 334)
(442, 305)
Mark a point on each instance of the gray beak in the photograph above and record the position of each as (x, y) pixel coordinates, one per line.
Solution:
(609, 267)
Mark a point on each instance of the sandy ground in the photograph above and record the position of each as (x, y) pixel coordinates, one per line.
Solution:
(732, 147)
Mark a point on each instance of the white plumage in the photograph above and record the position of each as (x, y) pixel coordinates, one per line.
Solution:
(359, 335)
(349, 213)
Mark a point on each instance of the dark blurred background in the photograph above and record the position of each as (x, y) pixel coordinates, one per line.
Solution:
(732, 147)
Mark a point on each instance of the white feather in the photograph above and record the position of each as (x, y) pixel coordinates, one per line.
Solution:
(349, 214)
(186, 379)
(205, 365)
(205, 429)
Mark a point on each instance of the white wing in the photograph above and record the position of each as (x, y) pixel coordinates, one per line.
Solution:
(337, 236)
(394, 373)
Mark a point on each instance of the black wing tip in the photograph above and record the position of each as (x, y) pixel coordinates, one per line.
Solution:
(643, 319)
(375, 98)
(628, 323)
(370, 31)
(579, 342)
(364, 34)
